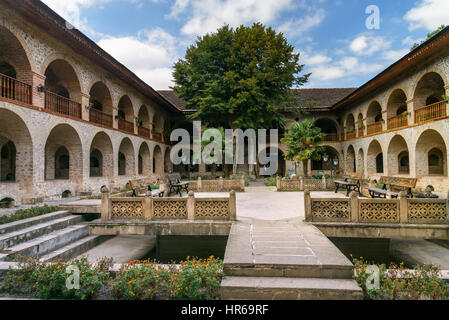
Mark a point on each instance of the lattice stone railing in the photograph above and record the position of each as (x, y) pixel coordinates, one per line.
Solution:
(218, 185)
(301, 184)
(386, 211)
(149, 208)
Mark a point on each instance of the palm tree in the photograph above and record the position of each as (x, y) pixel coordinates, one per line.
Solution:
(303, 142)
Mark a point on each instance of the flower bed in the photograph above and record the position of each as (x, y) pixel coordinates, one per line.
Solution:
(197, 279)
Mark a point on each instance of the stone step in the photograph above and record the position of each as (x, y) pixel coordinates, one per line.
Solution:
(49, 242)
(281, 288)
(17, 237)
(25, 223)
(75, 249)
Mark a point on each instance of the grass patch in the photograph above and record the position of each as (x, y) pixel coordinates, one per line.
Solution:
(27, 213)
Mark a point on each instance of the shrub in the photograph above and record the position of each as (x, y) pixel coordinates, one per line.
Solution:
(27, 213)
(271, 182)
(141, 280)
(397, 283)
(198, 279)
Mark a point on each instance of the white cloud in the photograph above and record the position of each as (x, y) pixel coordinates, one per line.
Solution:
(150, 55)
(429, 14)
(367, 45)
(203, 16)
(394, 55)
(316, 59)
(297, 27)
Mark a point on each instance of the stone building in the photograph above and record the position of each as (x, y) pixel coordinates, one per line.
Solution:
(72, 118)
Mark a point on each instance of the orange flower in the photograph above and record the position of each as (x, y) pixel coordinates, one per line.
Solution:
(130, 282)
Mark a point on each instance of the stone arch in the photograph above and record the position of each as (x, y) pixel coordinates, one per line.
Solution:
(158, 161)
(101, 149)
(361, 162)
(429, 89)
(13, 130)
(62, 79)
(375, 158)
(329, 127)
(397, 103)
(168, 165)
(351, 165)
(144, 160)
(126, 109)
(100, 100)
(321, 165)
(16, 53)
(350, 122)
(126, 161)
(398, 156)
(158, 123)
(429, 147)
(374, 112)
(63, 152)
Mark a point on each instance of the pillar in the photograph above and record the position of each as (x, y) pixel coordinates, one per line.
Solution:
(354, 203)
(105, 213)
(308, 206)
(232, 206)
(191, 206)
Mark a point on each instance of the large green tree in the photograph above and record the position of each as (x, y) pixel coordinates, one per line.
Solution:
(240, 78)
(303, 143)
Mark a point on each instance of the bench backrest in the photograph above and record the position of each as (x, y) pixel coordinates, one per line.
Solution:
(174, 178)
(353, 176)
(399, 182)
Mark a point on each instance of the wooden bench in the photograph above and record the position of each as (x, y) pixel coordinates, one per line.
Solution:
(176, 185)
(395, 185)
(142, 186)
(351, 182)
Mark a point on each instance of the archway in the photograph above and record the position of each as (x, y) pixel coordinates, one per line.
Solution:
(100, 104)
(321, 165)
(103, 155)
(144, 167)
(397, 110)
(398, 156)
(375, 161)
(429, 90)
(16, 149)
(374, 118)
(431, 154)
(361, 162)
(350, 127)
(63, 154)
(158, 164)
(144, 123)
(328, 127)
(350, 164)
(126, 114)
(126, 163)
(168, 165)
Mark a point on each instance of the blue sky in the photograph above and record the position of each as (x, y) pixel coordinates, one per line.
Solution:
(148, 36)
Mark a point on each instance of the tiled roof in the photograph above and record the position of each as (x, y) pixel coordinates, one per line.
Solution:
(316, 98)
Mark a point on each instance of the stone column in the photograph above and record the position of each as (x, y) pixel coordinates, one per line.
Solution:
(220, 184)
(385, 120)
(37, 98)
(242, 183)
(114, 117)
(446, 88)
(307, 206)
(199, 185)
(403, 207)
(232, 206)
(105, 203)
(411, 111)
(354, 203)
(148, 206)
(85, 99)
(191, 206)
(324, 182)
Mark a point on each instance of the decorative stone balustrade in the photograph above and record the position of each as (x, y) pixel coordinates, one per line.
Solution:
(302, 184)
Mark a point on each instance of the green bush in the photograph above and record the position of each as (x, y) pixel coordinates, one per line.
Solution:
(198, 279)
(141, 280)
(27, 213)
(423, 283)
(271, 182)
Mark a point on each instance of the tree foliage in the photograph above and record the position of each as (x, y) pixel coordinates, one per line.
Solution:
(239, 78)
(429, 36)
(303, 142)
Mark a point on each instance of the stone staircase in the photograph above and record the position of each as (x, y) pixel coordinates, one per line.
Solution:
(284, 261)
(57, 235)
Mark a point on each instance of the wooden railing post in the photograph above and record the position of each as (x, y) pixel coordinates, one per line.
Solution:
(105, 210)
(354, 203)
(308, 206)
(191, 206)
(403, 207)
(232, 206)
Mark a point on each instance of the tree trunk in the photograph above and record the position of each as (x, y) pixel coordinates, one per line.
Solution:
(305, 166)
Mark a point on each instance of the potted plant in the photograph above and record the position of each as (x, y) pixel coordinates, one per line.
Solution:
(138, 122)
(361, 125)
(351, 130)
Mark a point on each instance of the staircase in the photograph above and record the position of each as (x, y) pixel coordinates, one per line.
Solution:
(283, 261)
(57, 235)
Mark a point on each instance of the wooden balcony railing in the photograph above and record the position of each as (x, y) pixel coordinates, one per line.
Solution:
(431, 112)
(14, 89)
(126, 125)
(350, 135)
(157, 136)
(374, 128)
(361, 132)
(99, 117)
(332, 137)
(144, 132)
(62, 105)
(399, 121)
